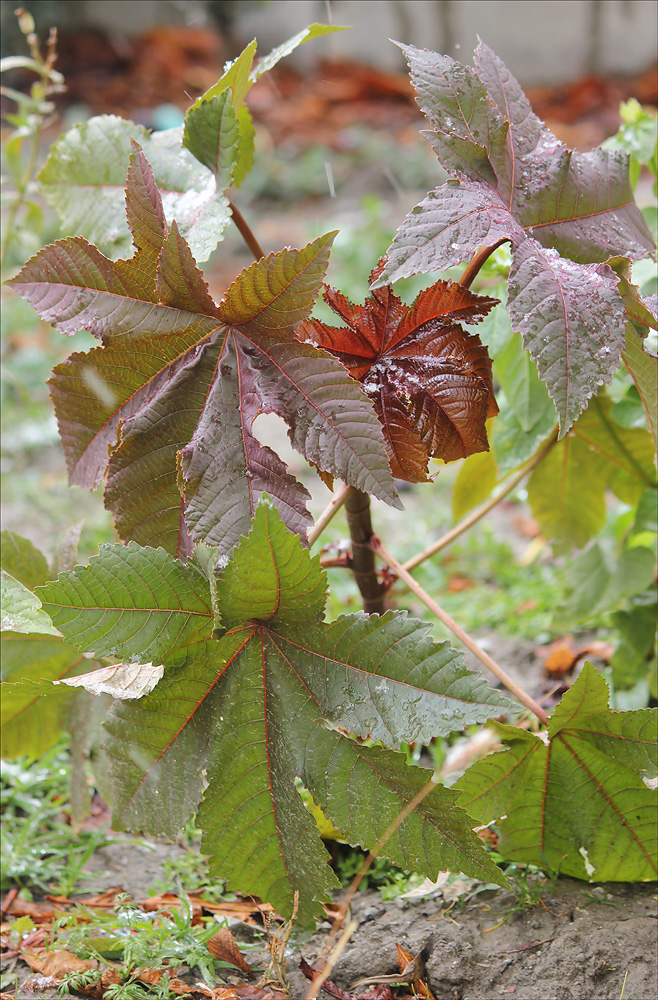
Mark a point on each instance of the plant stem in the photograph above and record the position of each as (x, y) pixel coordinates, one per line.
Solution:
(476, 263)
(245, 232)
(332, 508)
(483, 509)
(357, 509)
(456, 629)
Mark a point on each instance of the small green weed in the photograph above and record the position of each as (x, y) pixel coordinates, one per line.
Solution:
(136, 939)
(39, 849)
(382, 874)
(189, 872)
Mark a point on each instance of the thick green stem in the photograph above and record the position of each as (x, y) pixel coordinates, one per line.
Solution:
(357, 510)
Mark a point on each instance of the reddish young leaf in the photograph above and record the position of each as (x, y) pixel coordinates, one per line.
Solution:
(429, 380)
(165, 407)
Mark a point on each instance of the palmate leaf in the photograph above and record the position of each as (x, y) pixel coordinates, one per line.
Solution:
(575, 803)
(165, 407)
(567, 489)
(564, 213)
(429, 380)
(248, 708)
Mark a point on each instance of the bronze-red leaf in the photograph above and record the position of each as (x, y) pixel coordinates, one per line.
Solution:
(428, 378)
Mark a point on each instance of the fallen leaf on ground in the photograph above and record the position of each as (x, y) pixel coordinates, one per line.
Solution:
(153, 976)
(57, 963)
(381, 992)
(562, 655)
(40, 912)
(224, 947)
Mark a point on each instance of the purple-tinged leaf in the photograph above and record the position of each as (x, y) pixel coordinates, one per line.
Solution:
(514, 180)
(151, 407)
(144, 211)
(225, 470)
(180, 283)
(447, 227)
(455, 101)
(588, 213)
(572, 320)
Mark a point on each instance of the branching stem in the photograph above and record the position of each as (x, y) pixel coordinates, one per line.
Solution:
(456, 629)
(245, 232)
(483, 509)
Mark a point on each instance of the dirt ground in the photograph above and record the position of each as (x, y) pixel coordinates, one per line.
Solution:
(578, 942)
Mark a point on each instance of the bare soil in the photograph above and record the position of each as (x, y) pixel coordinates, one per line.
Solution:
(579, 942)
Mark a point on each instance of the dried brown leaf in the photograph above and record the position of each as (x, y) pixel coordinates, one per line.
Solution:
(225, 948)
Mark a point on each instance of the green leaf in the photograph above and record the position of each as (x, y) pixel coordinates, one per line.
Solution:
(32, 721)
(267, 63)
(575, 803)
(131, 602)
(23, 560)
(245, 158)
(248, 707)
(212, 135)
(237, 76)
(630, 661)
(599, 583)
(526, 396)
(84, 179)
(567, 489)
(21, 609)
(475, 480)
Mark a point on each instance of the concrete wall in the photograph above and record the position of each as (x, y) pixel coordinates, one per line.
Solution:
(542, 41)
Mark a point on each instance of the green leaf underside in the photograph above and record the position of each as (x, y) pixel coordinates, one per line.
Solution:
(248, 707)
(577, 805)
(84, 180)
(130, 602)
(599, 583)
(512, 179)
(567, 489)
(166, 405)
(21, 609)
(212, 134)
